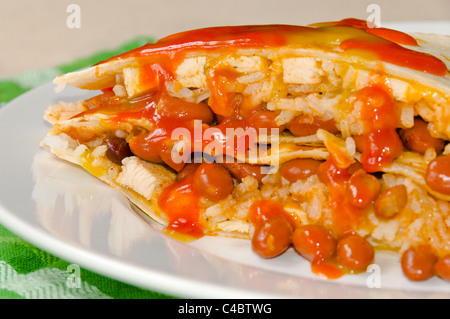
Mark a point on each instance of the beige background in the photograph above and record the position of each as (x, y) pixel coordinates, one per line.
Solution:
(34, 34)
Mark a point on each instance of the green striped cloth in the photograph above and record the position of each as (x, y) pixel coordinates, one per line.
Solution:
(27, 272)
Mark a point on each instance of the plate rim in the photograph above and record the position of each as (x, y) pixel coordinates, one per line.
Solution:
(179, 287)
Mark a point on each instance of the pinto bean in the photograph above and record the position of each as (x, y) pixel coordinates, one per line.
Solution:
(443, 267)
(213, 181)
(241, 170)
(304, 125)
(362, 188)
(272, 237)
(314, 242)
(299, 169)
(418, 263)
(391, 201)
(264, 120)
(187, 170)
(419, 139)
(355, 252)
(178, 109)
(437, 175)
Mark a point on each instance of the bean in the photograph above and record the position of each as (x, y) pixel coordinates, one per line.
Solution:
(418, 263)
(314, 242)
(437, 175)
(419, 139)
(264, 119)
(143, 146)
(172, 107)
(187, 170)
(299, 169)
(304, 125)
(219, 118)
(118, 149)
(442, 267)
(356, 166)
(379, 149)
(213, 181)
(391, 201)
(330, 174)
(354, 252)
(242, 170)
(272, 237)
(267, 209)
(359, 142)
(362, 188)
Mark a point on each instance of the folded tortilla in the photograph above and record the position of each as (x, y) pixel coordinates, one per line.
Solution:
(325, 71)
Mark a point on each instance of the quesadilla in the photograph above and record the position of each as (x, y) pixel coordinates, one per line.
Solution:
(288, 136)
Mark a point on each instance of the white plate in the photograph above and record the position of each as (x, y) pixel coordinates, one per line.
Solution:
(65, 211)
(438, 27)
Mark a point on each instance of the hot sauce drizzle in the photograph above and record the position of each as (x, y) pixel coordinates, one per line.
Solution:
(388, 34)
(327, 269)
(380, 120)
(153, 76)
(346, 217)
(180, 201)
(384, 44)
(221, 100)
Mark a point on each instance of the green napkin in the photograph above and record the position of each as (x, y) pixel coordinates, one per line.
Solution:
(27, 272)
